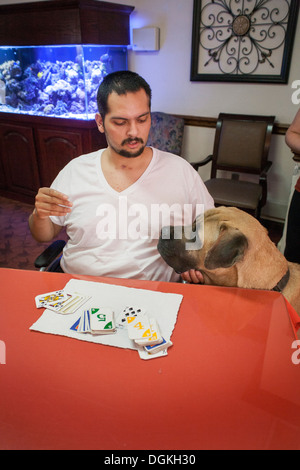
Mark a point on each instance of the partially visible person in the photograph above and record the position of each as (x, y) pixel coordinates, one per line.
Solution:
(109, 200)
(292, 247)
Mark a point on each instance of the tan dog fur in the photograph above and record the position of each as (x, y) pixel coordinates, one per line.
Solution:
(237, 252)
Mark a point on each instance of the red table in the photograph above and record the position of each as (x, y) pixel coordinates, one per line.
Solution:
(228, 382)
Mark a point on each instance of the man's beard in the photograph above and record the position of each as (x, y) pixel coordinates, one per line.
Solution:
(126, 153)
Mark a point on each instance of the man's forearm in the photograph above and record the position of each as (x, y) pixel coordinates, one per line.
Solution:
(42, 229)
(292, 139)
(292, 136)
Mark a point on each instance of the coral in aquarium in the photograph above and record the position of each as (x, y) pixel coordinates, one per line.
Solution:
(60, 88)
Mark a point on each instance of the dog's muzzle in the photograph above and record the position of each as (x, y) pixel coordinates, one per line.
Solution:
(173, 247)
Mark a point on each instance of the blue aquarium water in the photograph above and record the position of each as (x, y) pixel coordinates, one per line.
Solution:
(57, 81)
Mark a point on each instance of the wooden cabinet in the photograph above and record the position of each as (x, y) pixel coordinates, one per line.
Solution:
(55, 149)
(64, 22)
(17, 145)
(34, 149)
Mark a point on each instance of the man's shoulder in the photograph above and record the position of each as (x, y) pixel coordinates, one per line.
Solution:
(83, 160)
(173, 160)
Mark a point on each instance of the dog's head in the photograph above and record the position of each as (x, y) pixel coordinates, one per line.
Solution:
(227, 245)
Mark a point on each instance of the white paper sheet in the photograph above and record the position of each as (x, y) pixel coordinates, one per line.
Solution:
(162, 306)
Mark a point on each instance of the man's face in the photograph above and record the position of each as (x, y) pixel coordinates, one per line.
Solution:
(127, 123)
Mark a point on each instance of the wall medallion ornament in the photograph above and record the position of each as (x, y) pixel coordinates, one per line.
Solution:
(243, 40)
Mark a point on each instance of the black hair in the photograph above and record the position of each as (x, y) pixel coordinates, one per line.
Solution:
(121, 82)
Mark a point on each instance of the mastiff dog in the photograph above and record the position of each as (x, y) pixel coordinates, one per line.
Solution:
(231, 248)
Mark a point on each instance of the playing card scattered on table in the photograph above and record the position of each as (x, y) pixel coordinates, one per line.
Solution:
(144, 331)
(153, 313)
(102, 321)
(44, 299)
(60, 301)
(97, 321)
(129, 312)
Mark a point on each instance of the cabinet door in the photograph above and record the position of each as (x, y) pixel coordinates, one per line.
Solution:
(56, 149)
(18, 157)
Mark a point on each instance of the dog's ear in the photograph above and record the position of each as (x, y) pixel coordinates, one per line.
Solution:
(228, 249)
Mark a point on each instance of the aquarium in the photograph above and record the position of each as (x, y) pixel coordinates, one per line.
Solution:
(57, 81)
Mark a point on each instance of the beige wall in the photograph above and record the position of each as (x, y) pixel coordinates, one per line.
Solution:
(168, 72)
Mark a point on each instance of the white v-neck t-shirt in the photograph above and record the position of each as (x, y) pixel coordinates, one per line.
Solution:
(115, 234)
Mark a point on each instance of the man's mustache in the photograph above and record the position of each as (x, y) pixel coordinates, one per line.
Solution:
(130, 139)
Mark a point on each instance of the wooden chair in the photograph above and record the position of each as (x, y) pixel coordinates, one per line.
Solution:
(241, 146)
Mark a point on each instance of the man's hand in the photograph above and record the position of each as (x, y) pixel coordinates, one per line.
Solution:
(192, 276)
(51, 202)
(48, 202)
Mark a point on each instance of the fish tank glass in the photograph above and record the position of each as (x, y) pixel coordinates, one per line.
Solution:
(56, 81)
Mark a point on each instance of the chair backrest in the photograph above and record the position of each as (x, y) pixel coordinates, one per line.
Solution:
(166, 132)
(242, 143)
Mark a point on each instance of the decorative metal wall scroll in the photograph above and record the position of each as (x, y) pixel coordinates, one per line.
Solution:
(243, 40)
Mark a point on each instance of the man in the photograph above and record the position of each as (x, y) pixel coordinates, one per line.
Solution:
(292, 247)
(111, 200)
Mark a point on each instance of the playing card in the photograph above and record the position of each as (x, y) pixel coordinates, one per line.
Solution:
(102, 320)
(163, 345)
(129, 312)
(145, 355)
(58, 304)
(87, 320)
(69, 305)
(76, 324)
(51, 297)
(138, 327)
(84, 323)
(154, 337)
(80, 325)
